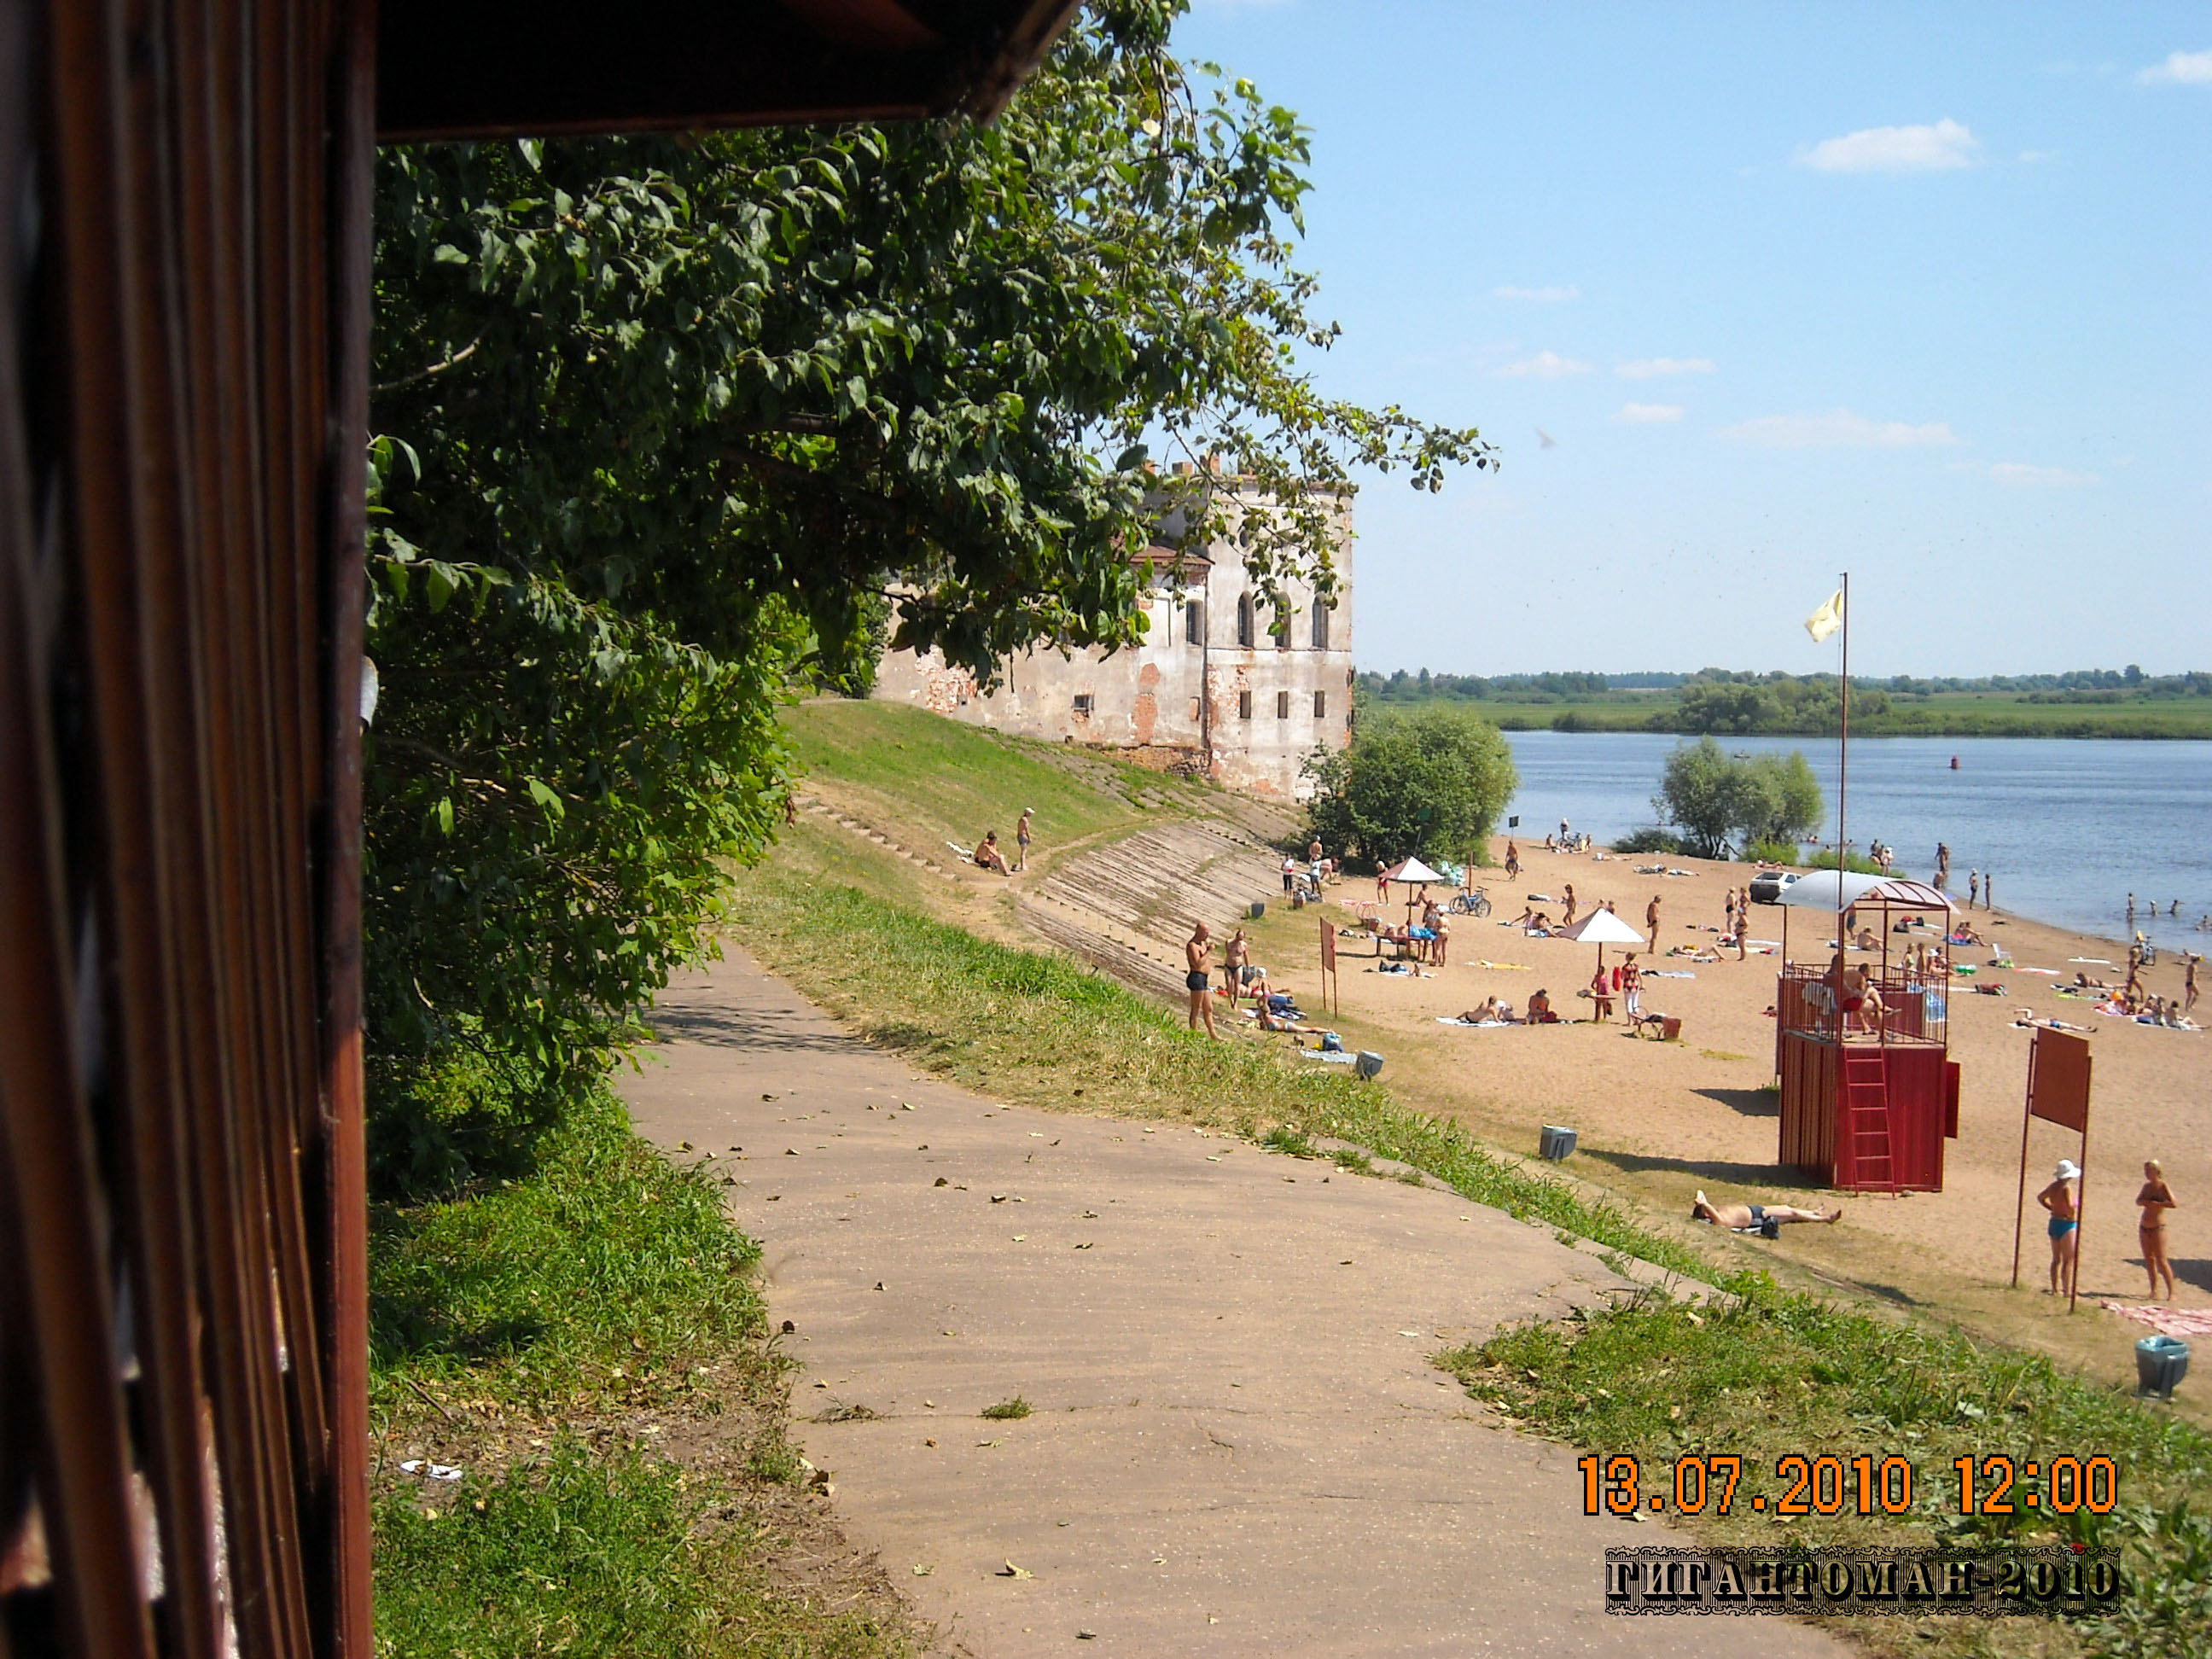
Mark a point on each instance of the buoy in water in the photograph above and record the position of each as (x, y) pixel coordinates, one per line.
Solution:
(1954, 762)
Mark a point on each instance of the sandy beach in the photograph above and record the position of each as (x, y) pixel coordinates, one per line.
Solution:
(1663, 1120)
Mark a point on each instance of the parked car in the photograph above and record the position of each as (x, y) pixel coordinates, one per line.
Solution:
(1766, 886)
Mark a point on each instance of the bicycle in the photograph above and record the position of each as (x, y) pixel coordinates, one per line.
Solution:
(1474, 904)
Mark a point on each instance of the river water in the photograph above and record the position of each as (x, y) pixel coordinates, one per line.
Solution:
(2070, 826)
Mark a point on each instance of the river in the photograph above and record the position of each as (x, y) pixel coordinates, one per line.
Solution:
(2071, 826)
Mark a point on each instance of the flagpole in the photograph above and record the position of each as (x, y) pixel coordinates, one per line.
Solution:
(1843, 765)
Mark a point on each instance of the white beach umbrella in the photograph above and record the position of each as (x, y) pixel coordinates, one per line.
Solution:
(1415, 874)
(1602, 927)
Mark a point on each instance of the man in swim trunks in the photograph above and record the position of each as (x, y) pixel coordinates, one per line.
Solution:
(2062, 1199)
(988, 857)
(1651, 922)
(1022, 839)
(1234, 956)
(2188, 982)
(1754, 1218)
(1512, 860)
(1198, 961)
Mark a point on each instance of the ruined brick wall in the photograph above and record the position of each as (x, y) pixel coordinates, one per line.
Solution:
(1194, 695)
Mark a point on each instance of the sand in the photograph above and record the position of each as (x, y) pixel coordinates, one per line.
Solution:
(1665, 1119)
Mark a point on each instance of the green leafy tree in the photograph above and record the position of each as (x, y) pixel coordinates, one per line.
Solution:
(1714, 797)
(668, 422)
(1430, 782)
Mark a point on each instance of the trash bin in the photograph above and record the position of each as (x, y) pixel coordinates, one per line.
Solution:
(1259, 908)
(1369, 1063)
(2160, 1363)
(1556, 1143)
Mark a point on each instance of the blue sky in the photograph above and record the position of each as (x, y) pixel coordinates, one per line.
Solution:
(1920, 292)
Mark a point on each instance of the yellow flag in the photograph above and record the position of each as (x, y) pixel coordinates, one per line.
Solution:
(1827, 619)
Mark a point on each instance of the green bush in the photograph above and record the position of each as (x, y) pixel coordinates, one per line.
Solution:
(1856, 862)
(1775, 852)
(1651, 839)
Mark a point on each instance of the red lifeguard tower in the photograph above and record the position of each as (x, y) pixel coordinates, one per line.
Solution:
(1867, 1098)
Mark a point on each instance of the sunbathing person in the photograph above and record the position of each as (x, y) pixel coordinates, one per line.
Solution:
(1526, 919)
(1540, 1007)
(1754, 1218)
(988, 857)
(1481, 1013)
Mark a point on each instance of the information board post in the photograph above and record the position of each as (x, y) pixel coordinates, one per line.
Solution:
(1330, 1002)
(2057, 1093)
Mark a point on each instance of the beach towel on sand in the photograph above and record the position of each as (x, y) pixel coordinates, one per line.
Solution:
(2168, 1321)
(1510, 966)
(1476, 1024)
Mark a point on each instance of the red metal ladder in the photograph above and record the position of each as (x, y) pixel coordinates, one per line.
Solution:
(1866, 1119)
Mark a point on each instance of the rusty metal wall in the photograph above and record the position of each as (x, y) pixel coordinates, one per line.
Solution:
(183, 1345)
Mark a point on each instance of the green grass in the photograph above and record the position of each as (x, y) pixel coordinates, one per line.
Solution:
(1037, 1029)
(879, 753)
(604, 1282)
(618, 1556)
(1782, 1375)
(1008, 1411)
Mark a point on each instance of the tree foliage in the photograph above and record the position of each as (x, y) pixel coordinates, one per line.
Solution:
(667, 421)
(1431, 782)
(1714, 797)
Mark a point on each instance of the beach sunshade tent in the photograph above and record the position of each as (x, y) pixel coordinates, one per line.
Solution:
(1416, 875)
(1828, 890)
(1602, 927)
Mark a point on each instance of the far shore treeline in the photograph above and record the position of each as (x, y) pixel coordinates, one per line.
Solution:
(2091, 703)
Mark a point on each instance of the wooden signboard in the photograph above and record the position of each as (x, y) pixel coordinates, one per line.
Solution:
(1327, 963)
(2057, 1093)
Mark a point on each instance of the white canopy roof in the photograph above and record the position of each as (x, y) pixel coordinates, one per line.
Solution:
(1412, 869)
(1602, 927)
(1828, 890)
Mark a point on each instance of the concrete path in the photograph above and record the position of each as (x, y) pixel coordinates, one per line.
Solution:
(1237, 1446)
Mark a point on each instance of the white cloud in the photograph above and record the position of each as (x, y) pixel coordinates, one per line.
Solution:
(1653, 368)
(2182, 68)
(1939, 149)
(1840, 430)
(1549, 296)
(1649, 413)
(2048, 477)
(1544, 366)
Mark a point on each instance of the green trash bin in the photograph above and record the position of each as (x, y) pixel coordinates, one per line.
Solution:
(2160, 1363)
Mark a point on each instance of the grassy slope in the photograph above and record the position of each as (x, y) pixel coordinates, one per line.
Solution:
(929, 779)
(1784, 1372)
(1949, 714)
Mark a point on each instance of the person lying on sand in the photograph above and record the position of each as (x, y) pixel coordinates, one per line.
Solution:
(1482, 1010)
(1751, 1218)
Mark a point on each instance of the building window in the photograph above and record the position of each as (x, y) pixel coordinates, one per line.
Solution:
(1320, 705)
(1282, 705)
(1194, 708)
(1244, 633)
(1320, 626)
(1285, 614)
(1194, 623)
(1243, 705)
(1084, 703)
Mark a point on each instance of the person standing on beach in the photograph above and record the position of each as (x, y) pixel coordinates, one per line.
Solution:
(1742, 922)
(1569, 921)
(1440, 947)
(1631, 989)
(1989, 890)
(1512, 860)
(2062, 1199)
(1022, 840)
(2156, 1198)
(1234, 956)
(1973, 887)
(2189, 981)
(1651, 920)
(1730, 929)
(1198, 962)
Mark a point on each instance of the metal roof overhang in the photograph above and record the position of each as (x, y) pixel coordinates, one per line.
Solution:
(484, 69)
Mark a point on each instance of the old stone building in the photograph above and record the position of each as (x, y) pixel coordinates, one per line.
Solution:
(1223, 686)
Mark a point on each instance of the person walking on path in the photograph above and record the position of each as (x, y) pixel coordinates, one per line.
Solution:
(2062, 1199)
(1651, 922)
(1022, 839)
(2156, 1198)
(1198, 962)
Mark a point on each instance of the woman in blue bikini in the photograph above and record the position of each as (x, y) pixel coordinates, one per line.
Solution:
(2062, 1198)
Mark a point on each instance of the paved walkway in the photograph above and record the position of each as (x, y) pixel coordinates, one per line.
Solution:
(1237, 1444)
